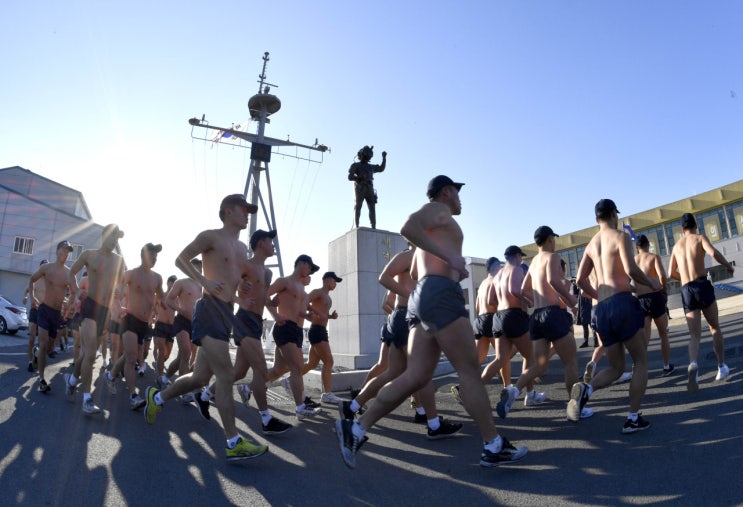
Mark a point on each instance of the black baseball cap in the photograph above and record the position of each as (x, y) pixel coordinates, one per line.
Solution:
(306, 258)
(439, 182)
(172, 278)
(331, 274)
(513, 250)
(688, 221)
(151, 247)
(542, 233)
(43, 261)
(492, 262)
(642, 240)
(604, 208)
(65, 244)
(237, 200)
(259, 235)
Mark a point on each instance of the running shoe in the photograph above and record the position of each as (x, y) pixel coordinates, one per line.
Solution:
(244, 450)
(43, 386)
(140, 371)
(69, 389)
(203, 406)
(188, 398)
(420, 418)
(722, 372)
(578, 399)
(507, 397)
(151, 409)
(307, 412)
(349, 443)
(588, 374)
(344, 409)
(445, 430)
(668, 371)
(508, 454)
(160, 384)
(455, 393)
(244, 396)
(89, 407)
(625, 377)
(586, 412)
(36, 359)
(635, 426)
(276, 427)
(330, 397)
(136, 402)
(413, 405)
(30, 366)
(693, 383)
(534, 398)
(309, 402)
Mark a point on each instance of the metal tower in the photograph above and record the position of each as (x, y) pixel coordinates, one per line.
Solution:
(261, 106)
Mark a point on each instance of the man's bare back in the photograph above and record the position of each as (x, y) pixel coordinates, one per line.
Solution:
(650, 264)
(506, 283)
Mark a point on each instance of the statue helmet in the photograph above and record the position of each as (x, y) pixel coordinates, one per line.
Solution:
(366, 153)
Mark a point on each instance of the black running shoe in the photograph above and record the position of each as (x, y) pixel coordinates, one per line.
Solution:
(344, 409)
(632, 427)
(44, 387)
(203, 406)
(420, 418)
(30, 366)
(349, 443)
(578, 399)
(445, 430)
(276, 427)
(310, 403)
(668, 371)
(508, 454)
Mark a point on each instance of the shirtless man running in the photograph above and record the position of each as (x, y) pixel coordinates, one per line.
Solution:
(697, 293)
(105, 269)
(163, 334)
(287, 332)
(620, 320)
(143, 287)
(248, 334)
(33, 315)
(223, 257)
(182, 298)
(440, 322)
(654, 303)
(320, 303)
(55, 279)
(550, 326)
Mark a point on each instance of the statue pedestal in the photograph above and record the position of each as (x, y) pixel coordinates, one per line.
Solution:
(359, 257)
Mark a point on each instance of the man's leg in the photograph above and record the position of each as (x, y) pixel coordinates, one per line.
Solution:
(326, 356)
(217, 356)
(638, 352)
(694, 321)
(568, 352)
(381, 365)
(189, 382)
(712, 318)
(397, 362)
(89, 346)
(42, 355)
(292, 354)
(661, 324)
(616, 360)
(313, 359)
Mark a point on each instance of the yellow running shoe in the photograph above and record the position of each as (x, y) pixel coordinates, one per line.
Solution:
(245, 450)
(151, 409)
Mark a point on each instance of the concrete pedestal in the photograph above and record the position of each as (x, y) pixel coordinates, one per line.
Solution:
(359, 257)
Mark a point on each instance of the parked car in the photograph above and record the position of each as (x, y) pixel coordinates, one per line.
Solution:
(12, 317)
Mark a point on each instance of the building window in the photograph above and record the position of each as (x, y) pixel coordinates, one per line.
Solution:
(579, 252)
(674, 232)
(657, 240)
(712, 224)
(24, 245)
(735, 217)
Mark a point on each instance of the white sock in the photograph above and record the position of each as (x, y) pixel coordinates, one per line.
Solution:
(357, 430)
(355, 406)
(434, 423)
(265, 416)
(86, 397)
(632, 416)
(73, 380)
(158, 399)
(301, 407)
(420, 411)
(232, 442)
(495, 445)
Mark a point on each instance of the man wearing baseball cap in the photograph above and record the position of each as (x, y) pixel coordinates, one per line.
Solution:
(439, 322)
(698, 295)
(222, 256)
(321, 303)
(620, 322)
(288, 334)
(55, 277)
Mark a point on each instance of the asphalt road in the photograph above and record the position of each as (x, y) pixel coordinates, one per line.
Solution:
(51, 454)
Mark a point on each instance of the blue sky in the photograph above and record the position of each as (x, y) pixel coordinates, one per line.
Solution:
(541, 108)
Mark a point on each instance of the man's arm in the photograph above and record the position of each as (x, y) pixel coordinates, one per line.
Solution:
(582, 278)
(673, 267)
(716, 255)
(31, 281)
(200, 244)
(397, 265)
(381, 167)
(556, 281)
(171, 300)
(388, 304)
(661, 272)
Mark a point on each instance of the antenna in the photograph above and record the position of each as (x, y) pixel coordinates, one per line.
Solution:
(261, 106)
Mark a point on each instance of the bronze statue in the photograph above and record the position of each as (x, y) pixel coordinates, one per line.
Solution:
(362, 174)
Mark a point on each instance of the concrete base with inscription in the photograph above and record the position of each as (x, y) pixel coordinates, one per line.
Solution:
(358, 257)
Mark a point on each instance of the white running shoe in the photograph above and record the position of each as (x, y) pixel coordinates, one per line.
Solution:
(307, 412)
(626, 377)
(244, 393)
(693, 383)
(722, 372)
(588, 374)
(534, 398)
(330, 398)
